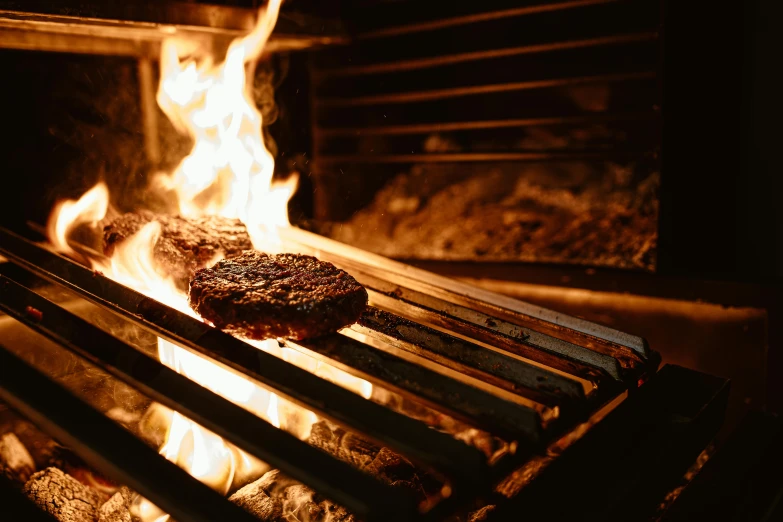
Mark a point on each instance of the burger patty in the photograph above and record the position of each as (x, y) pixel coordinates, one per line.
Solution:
(262, 296)
(185, 244)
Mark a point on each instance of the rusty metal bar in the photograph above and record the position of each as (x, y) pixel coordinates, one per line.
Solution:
(471, 359)
(455, 398)
(438, 61)
(361, 493)
(455, 92)
(464, 464)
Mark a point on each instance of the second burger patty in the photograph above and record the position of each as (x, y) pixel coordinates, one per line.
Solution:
(185, 244)
(262, 296)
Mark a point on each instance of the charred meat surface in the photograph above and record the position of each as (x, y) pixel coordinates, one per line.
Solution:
(185, 244)
(262, 296)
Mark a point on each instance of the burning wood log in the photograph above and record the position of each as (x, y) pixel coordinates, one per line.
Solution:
(278, 498)
(388, 466)
(481, 515)
(63, 497)
(16, 463)
(116, 509)
(42, 448)
(483, 441)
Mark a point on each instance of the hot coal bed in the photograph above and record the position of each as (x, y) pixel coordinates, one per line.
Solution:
(534, 151)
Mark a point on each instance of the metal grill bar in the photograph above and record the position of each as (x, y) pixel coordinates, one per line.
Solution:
(528, 343)
(464, 464)
(548, 322)
(441, 94)
(546, 350)
(426, 128)
(472, 157)
(500, 370)
(120, 29)
(97, 439)
(360, 493)
(478, 17)
(436, 61)
(442, 393)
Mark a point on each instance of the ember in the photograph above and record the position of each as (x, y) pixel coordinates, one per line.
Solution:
(33, 313)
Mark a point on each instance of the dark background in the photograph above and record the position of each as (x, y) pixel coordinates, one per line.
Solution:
(71, 120)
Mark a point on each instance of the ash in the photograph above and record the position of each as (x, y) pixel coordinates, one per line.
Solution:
(551, 214)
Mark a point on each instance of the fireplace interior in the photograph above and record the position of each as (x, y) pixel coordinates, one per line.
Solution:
(562, 211)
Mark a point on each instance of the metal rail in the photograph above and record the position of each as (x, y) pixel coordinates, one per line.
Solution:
(473, 18)
(362, 494)
(565, 356)
(327, 159)
(471, 359)
(450, 59)
(501, 322)
(464, 464)
(427, 128)
(472, 405)
(138, 29)
(455, 92)
(108, 447)
(468, 297)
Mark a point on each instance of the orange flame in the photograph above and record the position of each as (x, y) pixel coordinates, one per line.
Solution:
(229, 170)
(68, 214)
(227, 173)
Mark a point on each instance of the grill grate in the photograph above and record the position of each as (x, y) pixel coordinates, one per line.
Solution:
(493, 86)
(439, 320)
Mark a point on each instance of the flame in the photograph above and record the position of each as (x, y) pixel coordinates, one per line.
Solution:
(227, 173)
(69, 214)
(229, 170)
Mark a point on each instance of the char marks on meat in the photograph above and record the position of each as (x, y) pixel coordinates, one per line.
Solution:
(185, 244)
(262, 296)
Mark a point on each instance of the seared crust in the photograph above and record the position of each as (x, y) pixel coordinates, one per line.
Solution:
(185, 244)
(292, 296)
